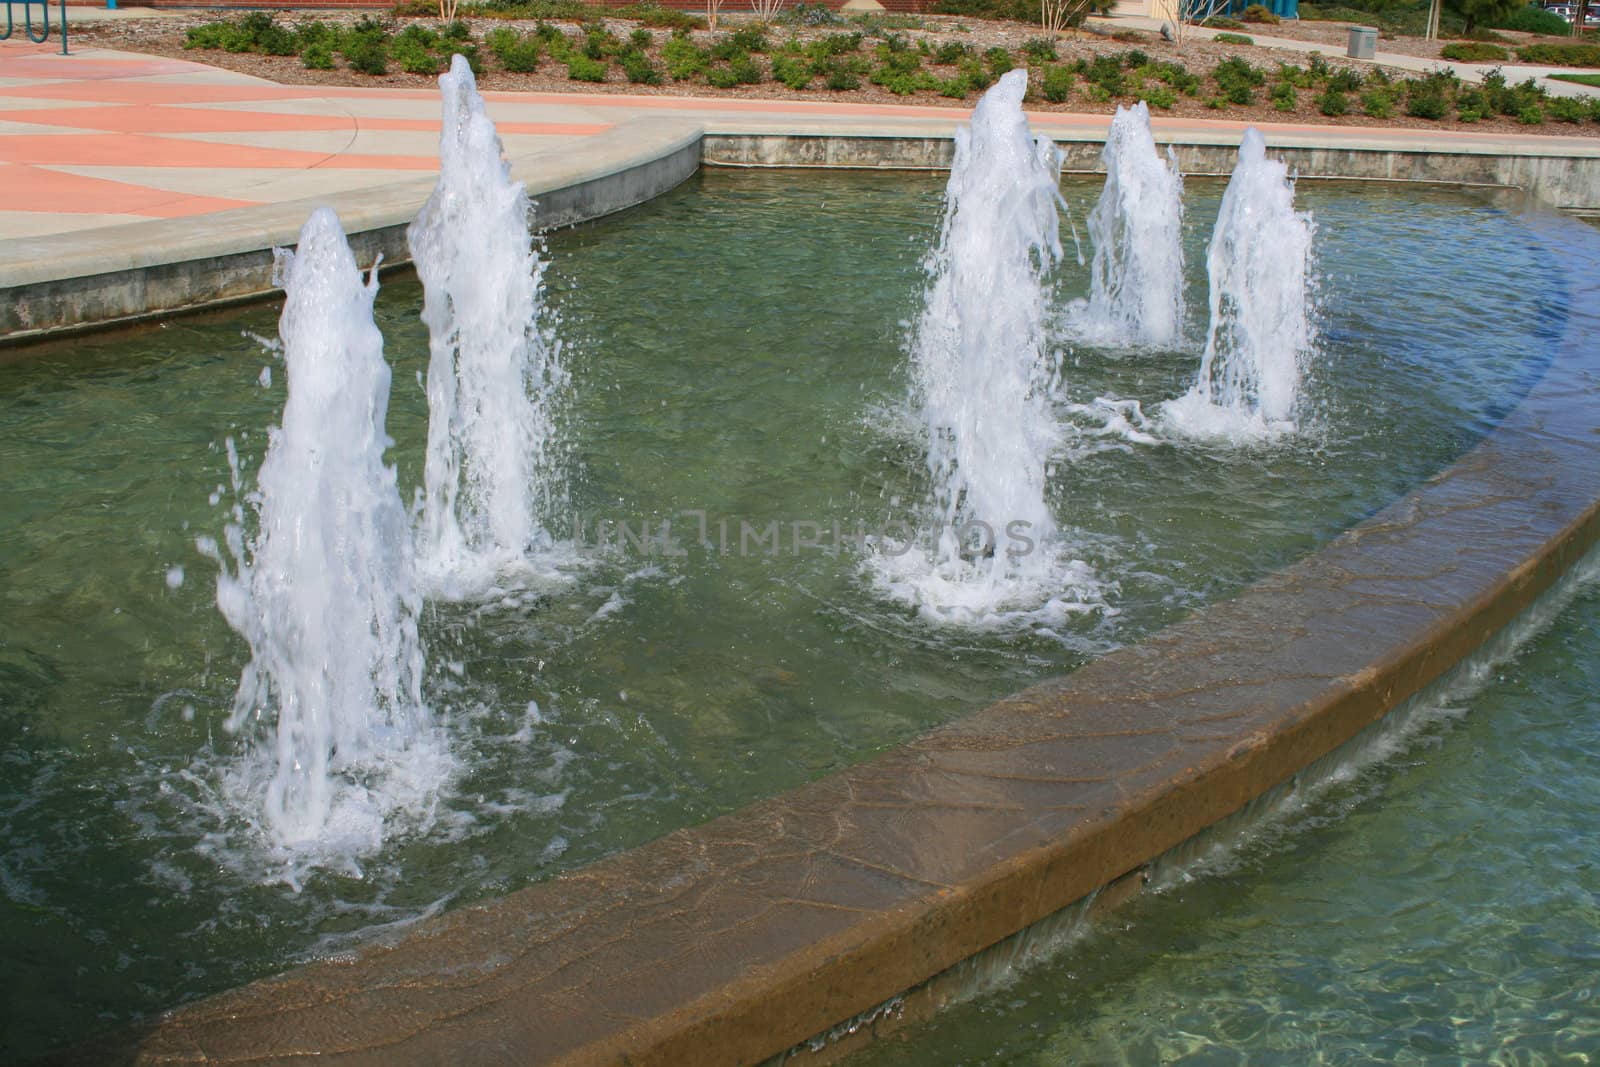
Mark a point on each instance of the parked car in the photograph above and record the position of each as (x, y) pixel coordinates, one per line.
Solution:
(1566, 11)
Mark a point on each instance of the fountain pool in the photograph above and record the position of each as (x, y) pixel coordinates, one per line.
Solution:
(725, 360)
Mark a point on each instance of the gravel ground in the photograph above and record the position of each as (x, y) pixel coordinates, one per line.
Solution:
(165, 37)
(1336, 35)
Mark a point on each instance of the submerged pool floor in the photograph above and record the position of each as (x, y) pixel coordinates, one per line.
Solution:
(735, 347)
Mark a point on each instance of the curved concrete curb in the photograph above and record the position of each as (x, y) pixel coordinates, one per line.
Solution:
(734, 941)
(68, 282)
(1563, 175)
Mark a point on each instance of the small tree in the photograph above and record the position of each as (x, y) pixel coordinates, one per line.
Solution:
(766, 10)
(1058, 15)
(713, 12)
(447, 10)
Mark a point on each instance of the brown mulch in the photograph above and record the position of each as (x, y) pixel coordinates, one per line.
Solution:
(165, 37)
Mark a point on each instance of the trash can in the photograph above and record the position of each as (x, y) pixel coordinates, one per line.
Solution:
(1363, 42)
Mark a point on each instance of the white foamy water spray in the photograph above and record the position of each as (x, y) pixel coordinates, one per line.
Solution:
(1259, 263)
(1136, 277)
(983, 379)
(338, 739)
(493, 373)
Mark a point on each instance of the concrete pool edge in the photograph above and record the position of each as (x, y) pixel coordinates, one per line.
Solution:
(734, 941)
(88, 279)
(70, 282)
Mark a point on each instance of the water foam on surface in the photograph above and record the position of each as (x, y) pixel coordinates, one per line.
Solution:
(338, 742)
(495, 371)
(1136, 277)
(1261, 332)
(983, 380)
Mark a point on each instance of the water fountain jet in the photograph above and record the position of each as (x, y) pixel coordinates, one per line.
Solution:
(983, 377)
(1136, 276)
(493, 374)
(339, 738)
(1259, 263)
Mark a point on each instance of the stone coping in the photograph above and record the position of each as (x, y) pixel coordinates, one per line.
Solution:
(734, 941)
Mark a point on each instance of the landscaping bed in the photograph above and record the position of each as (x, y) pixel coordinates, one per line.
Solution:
(926, 60)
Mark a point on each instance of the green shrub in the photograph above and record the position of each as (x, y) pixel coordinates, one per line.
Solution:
(516, 53)
(1568, 109)
(1532, 18)
(275, 40)
(747, 70)
(582, 68)
(1426, 102)
(1532, 115)
(749, 39)
(413, 56)
(1217, 103)
(1345, 80)
(367, 55)
(721, 78)
(458, 30)
(1040, 49)
(684, 61)
(214, 36)
(1333, 103)
(1283, 96)
(1260, 13)
(794, 72)
(1179, 77)
(1225, 23)
(1474, 52)
(1057, 83)
(320, 33)
(601, 43)
(998, 60)
(976, 76)
(1238, 79)
(658, 17)
(1561, 55)
(1233, 38)
(834, 44)
(317, 56)
(803, 14)
(841, 80)
(952, 52)
(1378, 103)
(1158, 95)
(1295, 76)
(1133, 59)
(1468, 114)
(639, 69)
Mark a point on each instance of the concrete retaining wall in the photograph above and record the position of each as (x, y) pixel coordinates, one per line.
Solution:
(1567, 181)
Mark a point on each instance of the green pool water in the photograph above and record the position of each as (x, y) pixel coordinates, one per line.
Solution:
(735, 347)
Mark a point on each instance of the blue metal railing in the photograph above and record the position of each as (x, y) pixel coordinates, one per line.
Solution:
(43, 32)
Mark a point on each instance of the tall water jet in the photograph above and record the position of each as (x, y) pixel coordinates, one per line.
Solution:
(331, 701)
(492, 374)
(1260, 334)
(983, 374)
(1136, 277)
